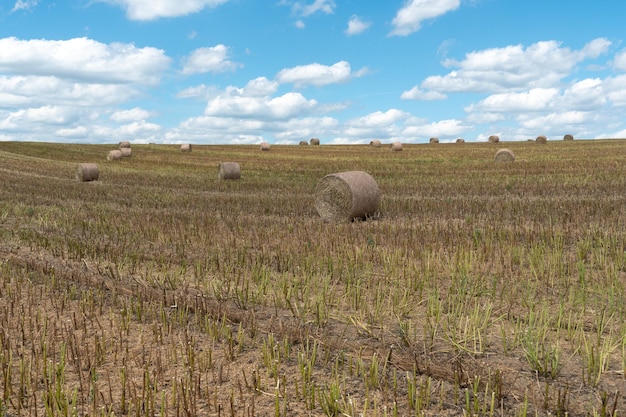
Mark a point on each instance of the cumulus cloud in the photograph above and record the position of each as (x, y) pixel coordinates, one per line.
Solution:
(131, 115)
(315, 74)
(209, 59)
(24, 5)
(534, 100)
(410, 17)
(416, 93)
(155, 9)
(83, 60)
(512, 68)
(356, 26)
(307, 9)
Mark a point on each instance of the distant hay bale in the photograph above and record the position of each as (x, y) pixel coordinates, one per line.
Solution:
(314, 141)
(229, 171)
(114, 155)
(126, 152)
(124, 144)
(434, 140)
(303, 143)
(265, 146)
(541, 139)
(185, 147)
(87, 172)
(460, 140)
(568, 137)
(494, 139)
(345, 196)
(375, 143)
(396, 146)
(504, 155)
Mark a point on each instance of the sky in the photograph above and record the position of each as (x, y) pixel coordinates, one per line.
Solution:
(282, 71)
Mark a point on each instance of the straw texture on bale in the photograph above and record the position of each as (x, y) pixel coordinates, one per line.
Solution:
(87, 172)
(434, 140)
(114, 155)
(396, 146)
(229, 171)
(375, 143)
(303, 143)
(504, 155)
(460, 140)
(541, 139)
(568, 137)
(345, 196)
(126, 152)
(265, 146)
(185, 147)
(494, 138)
(124, 144)
(314, 141)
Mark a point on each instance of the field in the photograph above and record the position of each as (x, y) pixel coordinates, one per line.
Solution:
(482, 289)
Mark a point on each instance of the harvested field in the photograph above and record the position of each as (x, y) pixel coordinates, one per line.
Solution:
(481, 289)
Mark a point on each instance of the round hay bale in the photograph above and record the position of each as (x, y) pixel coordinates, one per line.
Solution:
(541, 139)
(265, 146)
(494, 139)
(460, 140)
(185, 147)
(303, 143)
(568, 137)
(434, 140)
(124, 144)
(126, 152)
(396, 146)
(229, 171)
(375, 143)
(87, 172)
(345, 196)
(314, 141)
(114, 155)
(504, 155)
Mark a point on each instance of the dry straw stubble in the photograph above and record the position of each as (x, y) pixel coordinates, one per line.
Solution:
(87, 172)
(504, 155)
(345, 196)
(229, 171)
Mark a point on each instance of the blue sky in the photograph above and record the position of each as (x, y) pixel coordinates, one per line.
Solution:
(281, 71)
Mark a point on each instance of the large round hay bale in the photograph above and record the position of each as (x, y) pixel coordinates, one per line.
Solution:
(396, 146)
(265, 146)
(346, 196)
(126, 152)
(87, 172)
(303, 143)
(229, 171)
(433, 140)
(124, 144)
(494, 139)
(114, 155)
(504, 155)
(185, 147)
(375, 143)
(541, 139)
(568, 137)
(460, 140)
(314, 141)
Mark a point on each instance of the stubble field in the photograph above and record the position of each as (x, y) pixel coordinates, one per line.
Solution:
(483, 288)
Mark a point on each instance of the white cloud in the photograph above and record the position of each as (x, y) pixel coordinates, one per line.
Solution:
(24, 5)
(356, 26)
(83, 60)
(299, 24)
(210, 59)
(138, 128)
(534, 100)
(410, 17)
(315, 74)
(416, 93)
(304, 10)
(540, 65)
(442, 129)
(131, 115)
(154, 9)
